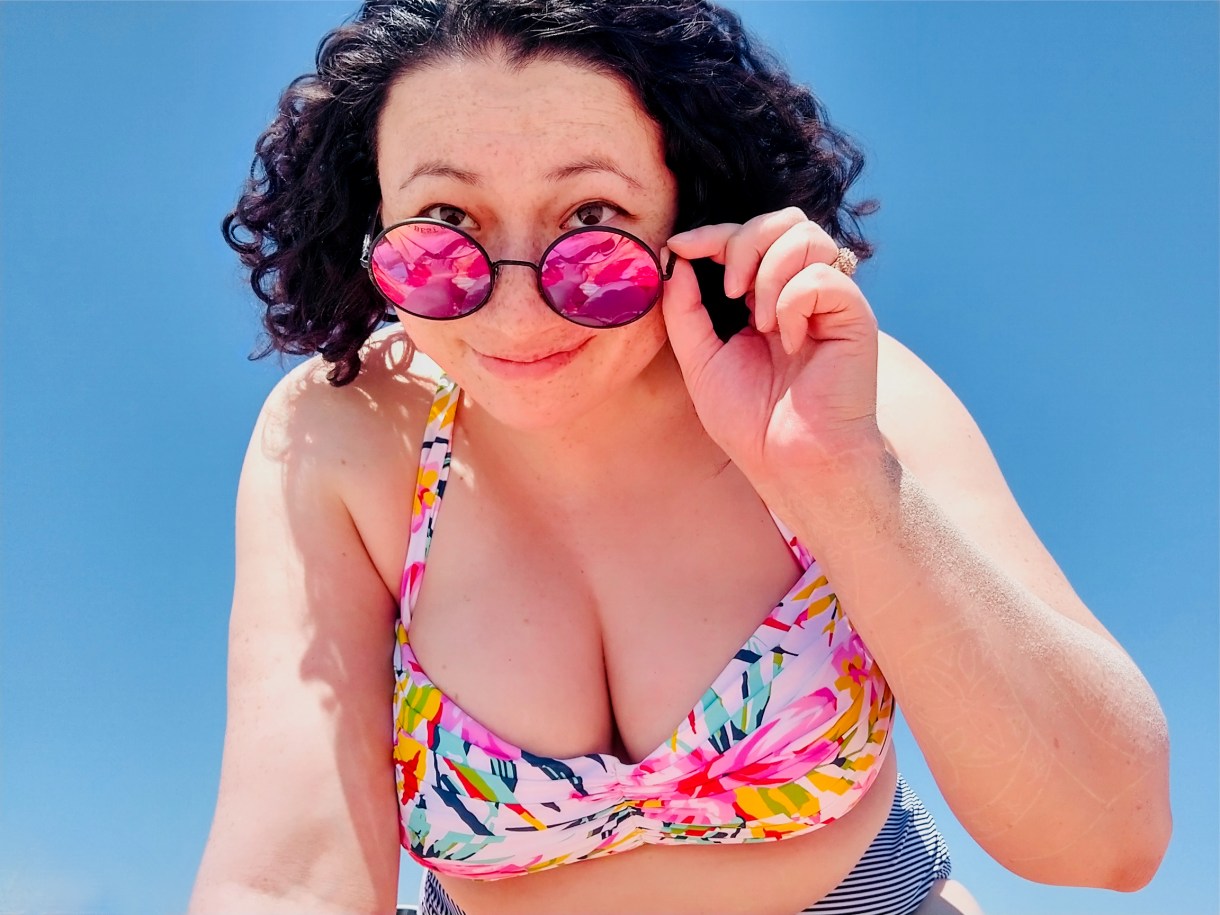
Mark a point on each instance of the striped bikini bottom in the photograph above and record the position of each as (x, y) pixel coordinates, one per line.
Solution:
(893, 877)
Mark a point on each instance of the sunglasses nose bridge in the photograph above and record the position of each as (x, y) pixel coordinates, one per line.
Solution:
(496, 265)
(535, 282)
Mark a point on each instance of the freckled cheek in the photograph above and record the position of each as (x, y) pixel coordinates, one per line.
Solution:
(440, 341)
(627, 354)
(652, 329)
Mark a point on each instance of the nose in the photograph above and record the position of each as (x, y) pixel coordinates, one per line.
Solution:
(516, 302)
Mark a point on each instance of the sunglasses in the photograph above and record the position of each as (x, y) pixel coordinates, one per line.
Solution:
(595, 276)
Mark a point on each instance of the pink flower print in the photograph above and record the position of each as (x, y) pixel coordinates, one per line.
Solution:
(713, 807)
(456, 721)
(410, 582)
(780, 751)
(851, 661)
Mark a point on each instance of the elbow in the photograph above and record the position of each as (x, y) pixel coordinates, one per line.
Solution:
(1141, 838)
(1132, 879)
(1135, 875)
(1116, 844)
(1144, 843)
(1142, 858)
(1148, 823)
(1126, 869)
(1122, 851)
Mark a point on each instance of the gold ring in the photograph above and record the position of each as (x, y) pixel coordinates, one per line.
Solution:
(846, 262)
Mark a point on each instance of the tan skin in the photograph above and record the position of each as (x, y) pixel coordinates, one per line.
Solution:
(557, 486)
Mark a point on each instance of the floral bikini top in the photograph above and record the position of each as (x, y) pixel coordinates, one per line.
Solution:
(787, 738)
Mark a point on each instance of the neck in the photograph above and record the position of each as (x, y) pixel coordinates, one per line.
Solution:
(623, 448)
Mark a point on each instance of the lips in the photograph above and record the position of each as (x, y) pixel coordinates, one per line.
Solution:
(525, 360)
(536, 356)
(524, 366)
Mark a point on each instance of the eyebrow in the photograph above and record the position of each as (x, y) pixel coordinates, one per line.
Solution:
(439, 169)
(591, 164)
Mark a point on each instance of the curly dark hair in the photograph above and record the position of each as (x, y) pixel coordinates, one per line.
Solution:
(740, 137)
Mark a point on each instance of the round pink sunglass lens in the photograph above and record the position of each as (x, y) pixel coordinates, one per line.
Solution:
(601, 279)
(430, 271)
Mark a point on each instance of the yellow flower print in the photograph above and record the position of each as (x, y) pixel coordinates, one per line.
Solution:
(784, 800)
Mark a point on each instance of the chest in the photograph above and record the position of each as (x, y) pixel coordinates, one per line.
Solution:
(597, 637)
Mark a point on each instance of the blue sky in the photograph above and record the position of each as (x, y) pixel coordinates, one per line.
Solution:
(1047, 242)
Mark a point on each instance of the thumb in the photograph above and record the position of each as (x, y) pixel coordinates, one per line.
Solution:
(691, 334)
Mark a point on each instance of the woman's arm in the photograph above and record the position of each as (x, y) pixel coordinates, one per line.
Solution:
(1045, 739)
(306, 819)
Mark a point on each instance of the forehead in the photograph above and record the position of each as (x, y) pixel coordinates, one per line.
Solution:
(516, 123)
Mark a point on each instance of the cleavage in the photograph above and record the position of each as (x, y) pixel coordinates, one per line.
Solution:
(602, 644)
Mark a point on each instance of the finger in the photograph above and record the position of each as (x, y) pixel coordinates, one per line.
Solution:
(801, 245)
(822, 303)
(739, 247)
(691, 334)
(745, 248)
(707, 241)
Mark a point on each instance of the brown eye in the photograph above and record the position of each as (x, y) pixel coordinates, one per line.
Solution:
(595, 213)
(445, 213)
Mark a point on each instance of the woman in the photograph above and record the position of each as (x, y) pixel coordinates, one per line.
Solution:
(673, 493)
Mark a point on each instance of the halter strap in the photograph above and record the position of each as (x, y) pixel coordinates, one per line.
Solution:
(433, 472)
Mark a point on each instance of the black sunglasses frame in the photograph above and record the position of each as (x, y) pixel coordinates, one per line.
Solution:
(371, 241)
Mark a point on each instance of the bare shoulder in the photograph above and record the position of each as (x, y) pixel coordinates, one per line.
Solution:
(933, 435)
(305, 417)
(359, 441)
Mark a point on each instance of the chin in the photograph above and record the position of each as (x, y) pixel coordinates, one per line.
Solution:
(535, 415)
(537, 406)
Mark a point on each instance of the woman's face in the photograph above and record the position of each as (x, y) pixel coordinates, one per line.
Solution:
(516, 158)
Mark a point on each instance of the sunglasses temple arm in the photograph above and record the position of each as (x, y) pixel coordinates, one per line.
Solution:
(366, 249)
(668, 273)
